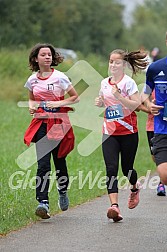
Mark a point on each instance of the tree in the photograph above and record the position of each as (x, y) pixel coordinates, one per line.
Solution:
(87, 26)
(14, 22)
(149, 25)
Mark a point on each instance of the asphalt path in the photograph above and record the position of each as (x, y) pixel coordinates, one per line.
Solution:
(85, 228)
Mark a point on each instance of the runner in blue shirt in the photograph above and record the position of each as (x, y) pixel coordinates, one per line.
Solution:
(156, 79)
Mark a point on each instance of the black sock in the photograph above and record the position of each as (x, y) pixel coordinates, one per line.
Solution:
(134, 190)
(45, 202)
(115, 204)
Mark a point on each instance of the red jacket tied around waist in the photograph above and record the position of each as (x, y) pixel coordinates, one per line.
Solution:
(58, 128)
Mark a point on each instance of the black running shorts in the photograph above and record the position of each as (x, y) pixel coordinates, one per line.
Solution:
(159, 149)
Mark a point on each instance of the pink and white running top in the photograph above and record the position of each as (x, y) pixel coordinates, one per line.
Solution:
(51, 88)
(128, 124)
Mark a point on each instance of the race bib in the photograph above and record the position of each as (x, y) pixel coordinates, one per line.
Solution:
(114, 112)
(45, 108)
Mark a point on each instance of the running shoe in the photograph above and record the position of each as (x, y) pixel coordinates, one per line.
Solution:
(114, 213)
(133, 200)
(161, 190)
(43, 210)
(63, 201)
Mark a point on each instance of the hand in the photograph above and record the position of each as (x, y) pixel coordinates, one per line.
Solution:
(99, 101)
(52, 104)
(154, 109)
(32, 110)
(116, 91)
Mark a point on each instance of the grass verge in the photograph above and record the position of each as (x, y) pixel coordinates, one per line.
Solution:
(17, 186)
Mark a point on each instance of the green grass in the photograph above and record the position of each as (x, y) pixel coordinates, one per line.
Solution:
(17, 203)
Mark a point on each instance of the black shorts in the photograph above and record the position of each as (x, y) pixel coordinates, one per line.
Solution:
(159, 148)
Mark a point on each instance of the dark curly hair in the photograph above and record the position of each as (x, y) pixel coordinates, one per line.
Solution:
(56, 57)
(137, 59)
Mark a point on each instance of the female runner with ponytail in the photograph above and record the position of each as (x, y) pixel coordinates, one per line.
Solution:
(120, 97)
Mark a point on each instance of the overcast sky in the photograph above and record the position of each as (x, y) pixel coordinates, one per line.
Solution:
(129, 7)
